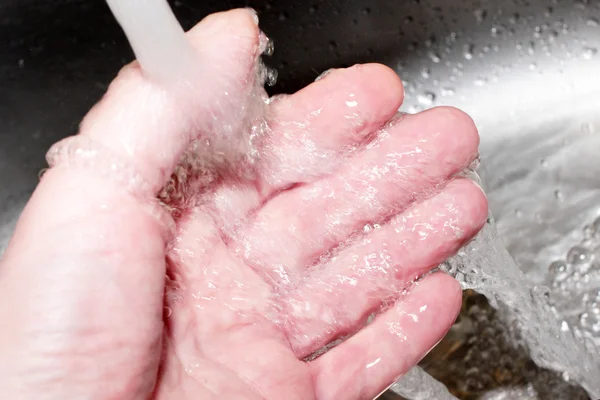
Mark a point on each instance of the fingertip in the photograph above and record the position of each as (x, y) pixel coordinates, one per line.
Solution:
(367, 363)
(453, 289)
(473, 203)
(227, 44)
(454, 298)
(240, 22)
(459, 128)
(438, 288)
(437, 300)
(384, 81)
(479, 206)
(378, 87)
(376, 83)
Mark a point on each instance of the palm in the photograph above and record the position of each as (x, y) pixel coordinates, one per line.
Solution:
(343, 209)
(253, 290)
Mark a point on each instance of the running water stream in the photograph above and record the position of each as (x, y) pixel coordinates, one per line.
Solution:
(485, 266)
(417, 384)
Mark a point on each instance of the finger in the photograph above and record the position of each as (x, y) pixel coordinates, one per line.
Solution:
(413, 157)
(369, 362)
(376, 267)
(311, 133)
(312, 129)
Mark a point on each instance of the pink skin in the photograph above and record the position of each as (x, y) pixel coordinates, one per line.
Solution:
(89, 314)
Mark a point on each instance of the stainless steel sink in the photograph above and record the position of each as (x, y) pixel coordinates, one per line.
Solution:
(528, 71)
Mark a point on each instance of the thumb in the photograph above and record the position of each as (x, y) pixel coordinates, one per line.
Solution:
(82, 280)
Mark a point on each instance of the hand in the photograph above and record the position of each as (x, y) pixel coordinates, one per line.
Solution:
(272, 256)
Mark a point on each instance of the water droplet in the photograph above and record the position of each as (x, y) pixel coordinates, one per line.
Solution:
(497, 30)
(451, 267)
(533, 66)
(590, 322)
(592, 22)
(447, 91)
(559, 195)
(559, 269)
(468, 51)
(544, 163)
(425, 73)
(589, 52)
(269, 46)
(332, 45)
(21, 63)
(366, 11)
(435, 57)
(426, 98)
(414, 109)
(323, 74)
(474, 166)
(540, 292)
(518, 213)
(578, 255)
(41, 174)
(457, 70)
(271, 76)
(480, 15)
(480, 81)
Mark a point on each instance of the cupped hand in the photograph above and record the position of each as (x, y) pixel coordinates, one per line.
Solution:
(202, 242)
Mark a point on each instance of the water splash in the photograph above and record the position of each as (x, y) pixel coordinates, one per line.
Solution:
(486, 266)
(575, 283)
(419, 385)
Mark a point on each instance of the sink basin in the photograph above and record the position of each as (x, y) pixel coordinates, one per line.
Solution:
(526, 71)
